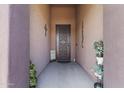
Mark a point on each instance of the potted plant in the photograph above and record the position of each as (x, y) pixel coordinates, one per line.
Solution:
(99, 75)
(32, 76)
(98, 46)
(99, 49)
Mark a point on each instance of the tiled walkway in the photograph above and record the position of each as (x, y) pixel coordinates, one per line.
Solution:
(64, 75)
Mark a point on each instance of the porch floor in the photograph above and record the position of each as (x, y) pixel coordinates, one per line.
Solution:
(64, 75)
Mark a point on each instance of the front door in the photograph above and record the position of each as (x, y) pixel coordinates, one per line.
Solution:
(63, 44)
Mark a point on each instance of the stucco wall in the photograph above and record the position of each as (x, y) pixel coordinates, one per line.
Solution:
(92, 17)
(18, 46)
(4, 44)
(114, 46)
(39, 43)
(63, 14)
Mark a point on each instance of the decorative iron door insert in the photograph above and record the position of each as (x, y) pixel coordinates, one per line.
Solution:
(63, 46)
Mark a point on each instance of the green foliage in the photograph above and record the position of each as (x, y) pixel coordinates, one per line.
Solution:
(32, 76)
(99, 47)
(99, 69)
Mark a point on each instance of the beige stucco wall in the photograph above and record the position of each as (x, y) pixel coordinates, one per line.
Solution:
(114, 46)
(39, 43)
(92, 17)
(63, 15)
(18, 73)
(4, 43)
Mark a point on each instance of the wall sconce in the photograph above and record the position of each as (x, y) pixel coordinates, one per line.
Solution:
(45, 29)
(82, 33)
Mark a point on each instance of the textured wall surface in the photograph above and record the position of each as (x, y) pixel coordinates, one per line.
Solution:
(63, 14)
(92, 17)
(4, 44)
(19, 46)
(114, 46)
(39, 43)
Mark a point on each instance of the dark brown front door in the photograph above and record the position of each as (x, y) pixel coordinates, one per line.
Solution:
(63, 44)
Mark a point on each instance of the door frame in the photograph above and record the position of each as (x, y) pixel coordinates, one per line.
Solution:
(57, 39)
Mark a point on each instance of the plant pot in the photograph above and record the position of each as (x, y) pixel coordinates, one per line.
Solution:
(99, 60)
(32, 86)
(98, 85)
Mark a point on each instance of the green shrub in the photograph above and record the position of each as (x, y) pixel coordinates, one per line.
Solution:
(32, 76)
(99, 47)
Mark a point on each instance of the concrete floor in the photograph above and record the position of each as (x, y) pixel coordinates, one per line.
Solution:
(64, 75)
